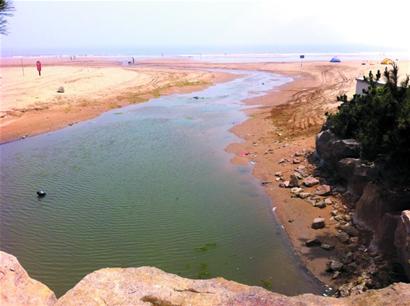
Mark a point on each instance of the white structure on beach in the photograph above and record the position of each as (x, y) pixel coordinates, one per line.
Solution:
(362, 84)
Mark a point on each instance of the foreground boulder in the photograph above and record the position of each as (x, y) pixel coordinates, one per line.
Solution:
(17, 288)
(151, 286)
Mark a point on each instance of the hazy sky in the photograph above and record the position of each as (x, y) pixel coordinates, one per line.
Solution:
(186, 26)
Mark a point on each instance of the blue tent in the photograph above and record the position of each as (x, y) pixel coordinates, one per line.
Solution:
(335, 60)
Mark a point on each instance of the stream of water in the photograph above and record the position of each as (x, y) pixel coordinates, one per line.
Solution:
(147, 185)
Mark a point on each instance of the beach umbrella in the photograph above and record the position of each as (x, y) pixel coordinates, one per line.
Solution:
(335, 60)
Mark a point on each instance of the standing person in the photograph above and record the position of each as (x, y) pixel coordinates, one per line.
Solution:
(38, 65)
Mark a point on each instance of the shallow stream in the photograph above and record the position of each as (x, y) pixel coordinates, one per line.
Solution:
(147, 185)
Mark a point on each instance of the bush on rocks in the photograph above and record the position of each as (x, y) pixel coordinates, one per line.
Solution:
(379, 119)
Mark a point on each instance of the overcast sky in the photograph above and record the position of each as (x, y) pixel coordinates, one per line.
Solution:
(287, 25)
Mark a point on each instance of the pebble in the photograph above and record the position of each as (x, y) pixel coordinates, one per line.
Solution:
(310, 181)
(323, 190)
(351, 230)
(313, 243)
(284, 184)
(320, 204)
(296, 190)
(303, 195)
(335, 265)
(343, 237)
(318, 223)
(327, 246)
(293, 181)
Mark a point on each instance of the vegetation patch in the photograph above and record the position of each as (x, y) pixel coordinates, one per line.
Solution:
(203, 271)
(379, 119)
(206, 247)
(267, 284)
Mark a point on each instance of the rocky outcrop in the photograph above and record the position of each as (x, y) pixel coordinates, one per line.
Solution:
(377, 206)
(17, 288)
(402, 239)
(151, 286)
(332, 149)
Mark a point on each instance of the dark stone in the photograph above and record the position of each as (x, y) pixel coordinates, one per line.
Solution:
(313, 243)
(331, 149)
(293, 181)
(318, 223)
(41, 193)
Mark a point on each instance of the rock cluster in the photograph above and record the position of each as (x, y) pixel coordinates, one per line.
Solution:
(356, 268)
(379, 211)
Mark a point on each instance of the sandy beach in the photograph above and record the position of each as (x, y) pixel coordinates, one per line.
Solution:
(282, 126)
(30, 104)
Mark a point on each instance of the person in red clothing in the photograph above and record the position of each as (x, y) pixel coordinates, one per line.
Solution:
(38, 65)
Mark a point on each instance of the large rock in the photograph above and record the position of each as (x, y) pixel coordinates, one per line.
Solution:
(402, 241)
(17, 288)
(331, 149)
(151, 286)
(378, 209)
(357, 174)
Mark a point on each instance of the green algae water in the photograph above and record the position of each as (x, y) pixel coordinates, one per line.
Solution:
(146, 185)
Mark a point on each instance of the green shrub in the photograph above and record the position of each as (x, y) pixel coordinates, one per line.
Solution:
(379, 119)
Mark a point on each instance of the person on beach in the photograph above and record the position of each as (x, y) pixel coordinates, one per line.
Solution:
(38, 65)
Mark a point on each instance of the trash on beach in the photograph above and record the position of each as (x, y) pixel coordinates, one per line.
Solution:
(252, 162)
(60, 89)
(243, 154)
(41, 193)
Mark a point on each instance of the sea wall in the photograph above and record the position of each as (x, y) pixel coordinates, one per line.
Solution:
(151, 286)
(376, 204)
